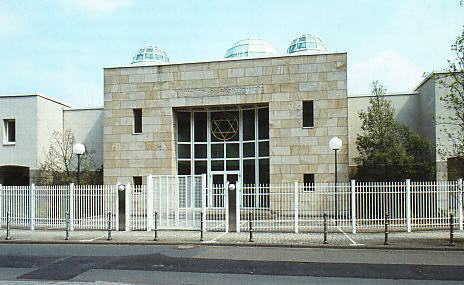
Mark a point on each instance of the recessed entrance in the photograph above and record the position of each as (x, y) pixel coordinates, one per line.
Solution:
(14, 175)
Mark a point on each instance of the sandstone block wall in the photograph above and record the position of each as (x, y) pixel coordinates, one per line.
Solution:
(282, 82)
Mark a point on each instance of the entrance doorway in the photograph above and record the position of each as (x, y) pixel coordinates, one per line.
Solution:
(229, 179)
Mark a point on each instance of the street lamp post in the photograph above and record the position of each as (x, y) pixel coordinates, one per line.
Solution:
(78, 149)
(335, 144)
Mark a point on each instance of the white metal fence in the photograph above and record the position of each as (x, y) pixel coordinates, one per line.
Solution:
(181, 202)
(352, 206)
(47, 206)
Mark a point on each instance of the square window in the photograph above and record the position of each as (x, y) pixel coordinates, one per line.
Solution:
(137, 121)
(9, 134)
(308, 114)
(308, 180)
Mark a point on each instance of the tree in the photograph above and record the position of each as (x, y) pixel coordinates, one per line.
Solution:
(453, 122)
(59, 164)
(388, 150)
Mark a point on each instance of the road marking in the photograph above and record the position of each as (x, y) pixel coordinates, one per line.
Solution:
(93, 239)
(347, 236)
(216, 238)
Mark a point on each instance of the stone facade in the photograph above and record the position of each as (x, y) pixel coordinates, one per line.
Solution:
(282, 82)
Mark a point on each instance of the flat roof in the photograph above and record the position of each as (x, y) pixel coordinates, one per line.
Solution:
(414, 92)
(222, 60)
(36, 94)
(85, 108)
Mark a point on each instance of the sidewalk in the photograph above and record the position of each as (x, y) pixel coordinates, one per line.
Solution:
(397, 240)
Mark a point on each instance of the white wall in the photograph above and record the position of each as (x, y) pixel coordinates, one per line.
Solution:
(24, 110)
(49, 120)
(406, 111)
(87, 127)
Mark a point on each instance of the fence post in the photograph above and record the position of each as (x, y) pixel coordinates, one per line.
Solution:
(71, 206)
(238, 199)
(353, 206)
(32, 206)
(408, 205)
(295, 192)
(128, 207)
(460, 204)
(149, 202)
(226, 205)
(203, 200)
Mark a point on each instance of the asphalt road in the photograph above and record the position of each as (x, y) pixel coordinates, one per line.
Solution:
(145, 264)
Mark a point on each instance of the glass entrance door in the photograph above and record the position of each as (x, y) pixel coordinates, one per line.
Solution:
(232, 177)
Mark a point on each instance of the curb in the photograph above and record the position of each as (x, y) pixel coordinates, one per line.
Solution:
(240, 244)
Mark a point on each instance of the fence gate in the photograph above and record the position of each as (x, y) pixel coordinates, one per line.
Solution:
(177, 200)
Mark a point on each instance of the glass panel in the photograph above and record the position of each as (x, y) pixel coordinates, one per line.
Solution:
(218, 179)
(217, 151)
(183, 126)
(11, 126)
(200, 151)
(184, 150)
(232, 164)
(263, 123)
(200, 167)
(248, 171)
(301, 45)
(264, 149)
(183, 167)
(264, 171)
(308, 114)
(249, 149)
(217, 165)
(248, 125)
(200, 126)
(232, 150)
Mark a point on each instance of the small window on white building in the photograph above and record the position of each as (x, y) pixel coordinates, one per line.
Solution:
(9, 131)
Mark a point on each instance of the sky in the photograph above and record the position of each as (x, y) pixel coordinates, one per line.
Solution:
(59, 48)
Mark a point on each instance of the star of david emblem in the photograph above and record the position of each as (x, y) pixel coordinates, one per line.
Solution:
(224, 126)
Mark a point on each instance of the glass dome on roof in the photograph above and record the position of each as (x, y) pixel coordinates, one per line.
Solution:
(306, 43)
(150, 55)
(251, 48)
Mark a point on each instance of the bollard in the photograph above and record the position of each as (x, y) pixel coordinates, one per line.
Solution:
(67, 226)
(201, 226)
(156, 226)
(109, 226)
(325, 229)
(8, 226)
(451, 221)
(250, 219)
(386, 229)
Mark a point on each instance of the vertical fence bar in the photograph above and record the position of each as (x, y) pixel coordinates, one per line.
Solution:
(295, 193)
(238, 199)
(203, 200)
(32, 206)
(149, 204)
(408, 205)
(71, 206)
(353, 206)
(226, 204)
(459, 196)
(1, 204)
(128, 213)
